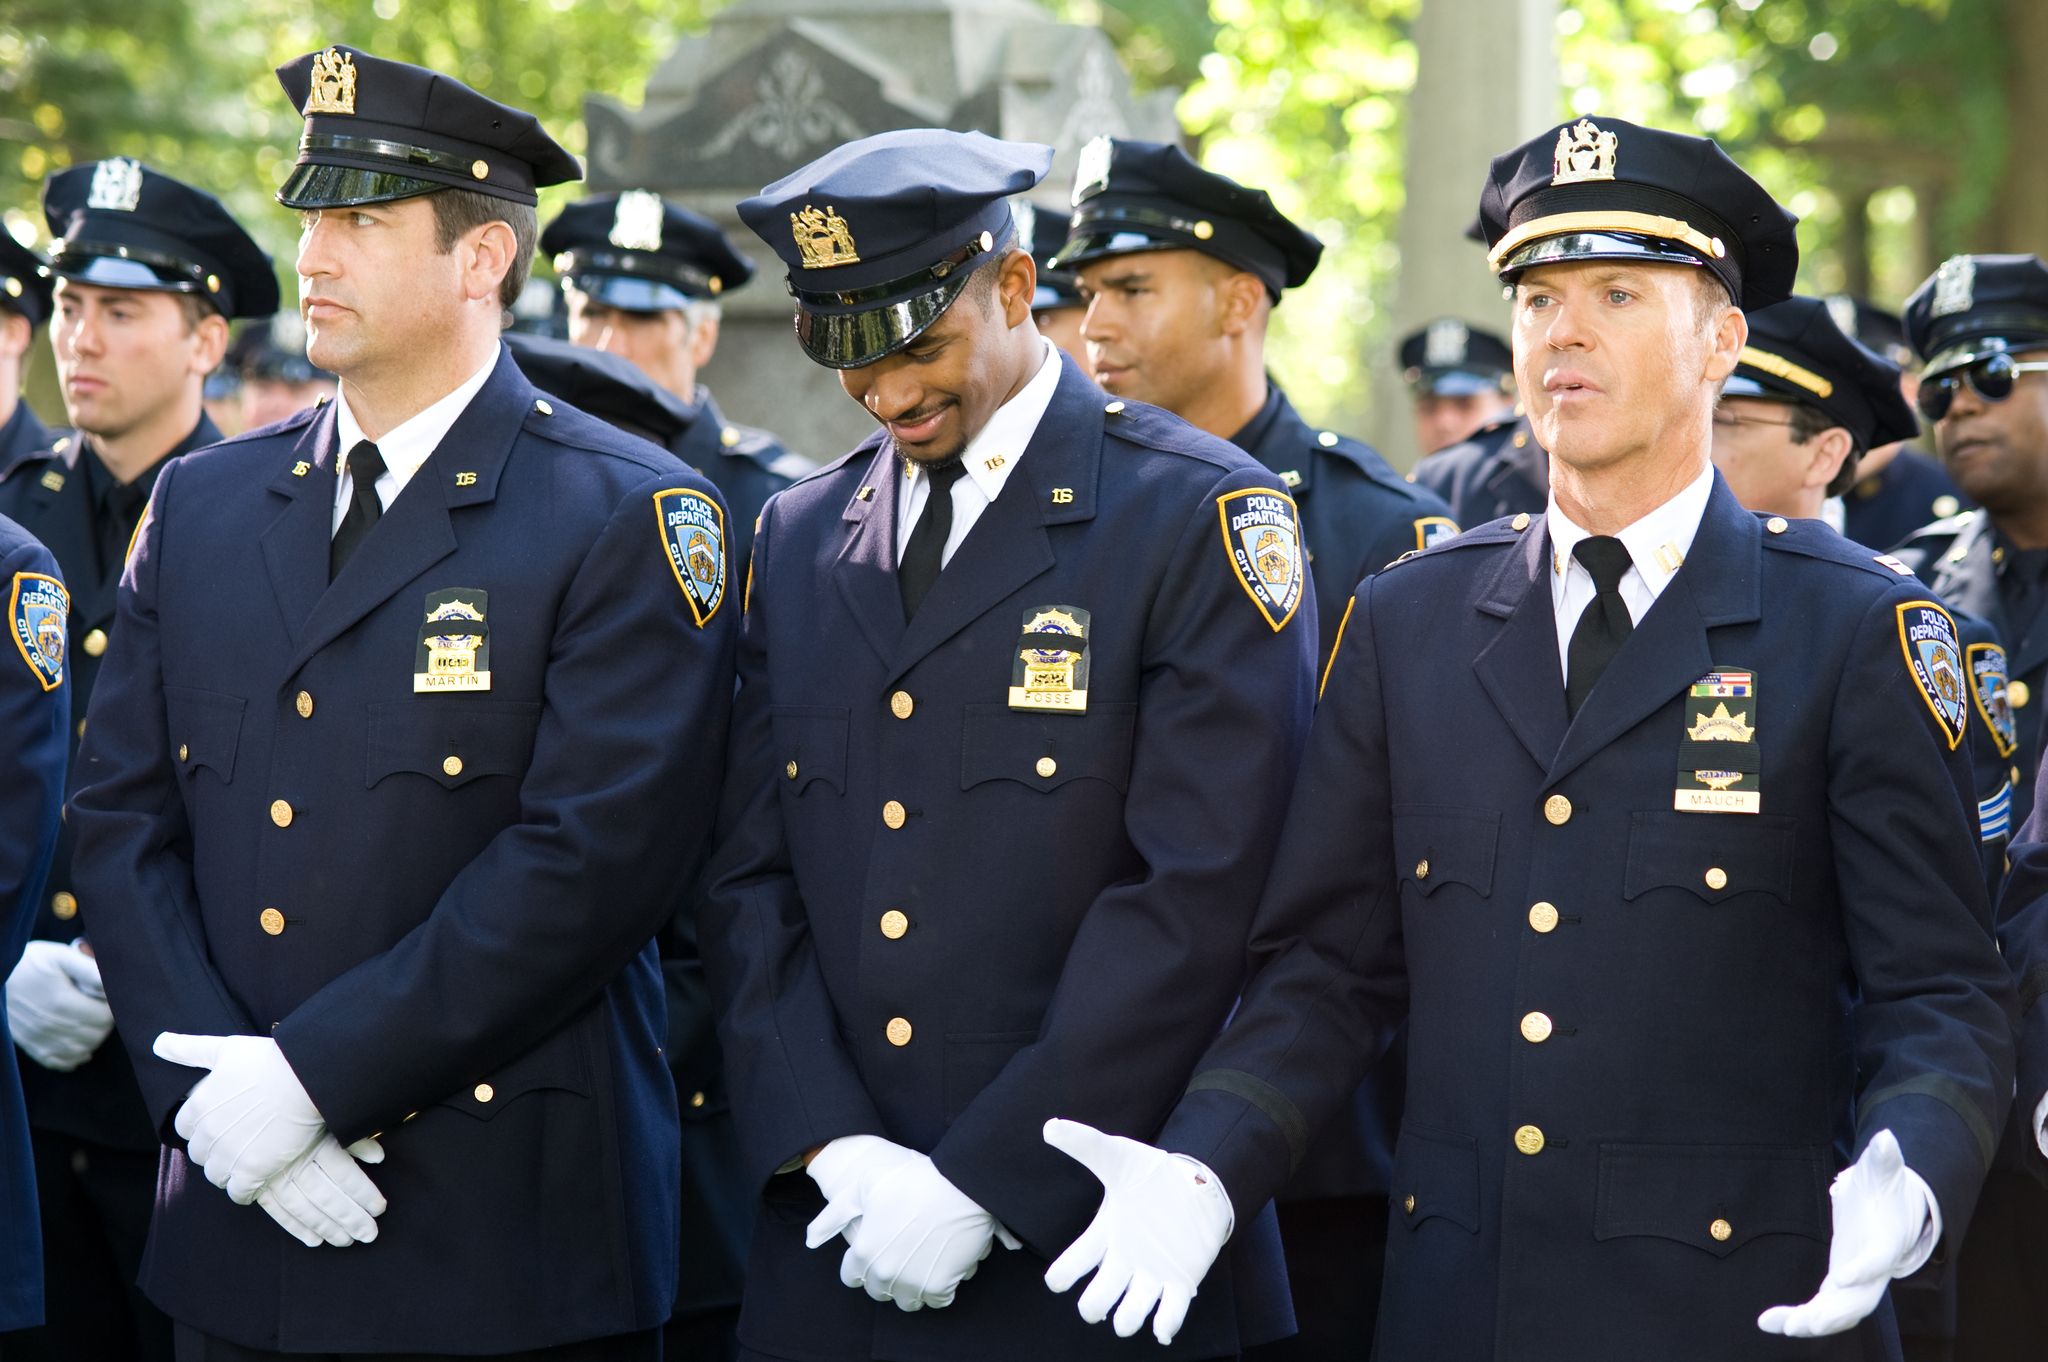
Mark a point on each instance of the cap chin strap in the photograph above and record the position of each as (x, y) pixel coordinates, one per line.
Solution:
(1787, 370)
(1639, 224)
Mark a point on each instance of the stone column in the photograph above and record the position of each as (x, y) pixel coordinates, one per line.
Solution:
(1486, 80)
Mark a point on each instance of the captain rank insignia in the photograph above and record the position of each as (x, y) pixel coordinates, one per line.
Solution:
(1719, 767)
(454, 651)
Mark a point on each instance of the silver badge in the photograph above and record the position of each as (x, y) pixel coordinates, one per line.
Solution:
(116, 184)
(1955, 285)
(636, 226)
(1091, 171)
(1444, 343)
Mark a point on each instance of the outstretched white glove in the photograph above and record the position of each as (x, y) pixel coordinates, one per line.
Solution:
(56, 1005)
(1163, 1220)
(323, 1197)
(249, 1119)
(912, 1236)
(1887, 1223)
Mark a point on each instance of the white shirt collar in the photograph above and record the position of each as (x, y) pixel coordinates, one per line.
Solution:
(1657, 544)
(408, 444)
(991, 455)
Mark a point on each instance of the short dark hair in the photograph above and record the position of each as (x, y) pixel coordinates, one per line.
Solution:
(1807, 422)
(981, 285)
(457, 212)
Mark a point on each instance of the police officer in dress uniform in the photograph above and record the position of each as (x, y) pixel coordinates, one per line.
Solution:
(1609, 804)
(1181, 268)
(643, 279)
(1022, 681)
(1501, 471)
(24, 305)
(35, 705)
(1899, 487)
(149, 271)
(1460, 381)
(411, 722)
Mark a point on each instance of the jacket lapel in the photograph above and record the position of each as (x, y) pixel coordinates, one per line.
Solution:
(1720, 584)
(1518, 670)
(865, 572)
(295, 544)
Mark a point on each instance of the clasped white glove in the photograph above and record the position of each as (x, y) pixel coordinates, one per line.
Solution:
(1887, 1223)
(1164, 1218)
(2041, 1123)
(912, 1236)
(57, 1006)
(324, 1197)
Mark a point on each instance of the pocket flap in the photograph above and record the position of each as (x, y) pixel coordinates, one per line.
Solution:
(1714, 1197)
(810, 744)
(1713, 855)
(205, 729)
(557, 1062)
(1045, 751)
(1437, 843)
(1436, 1173)
(451, 739)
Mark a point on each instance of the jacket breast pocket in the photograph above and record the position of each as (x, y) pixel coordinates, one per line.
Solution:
(205, 729)
(451, 741)
(974, 1059)
(561, 1062)
(1435, 844)
(1436, 1173)
(1045, 751)
(1714, 1197)
(810, 744)
(1715, 856)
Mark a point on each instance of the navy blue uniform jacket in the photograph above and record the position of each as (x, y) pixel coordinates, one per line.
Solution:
(469, 883)
(1891, 504)
(1500, 471)
(1074, 938)
(1735, 1002)
(35, 710)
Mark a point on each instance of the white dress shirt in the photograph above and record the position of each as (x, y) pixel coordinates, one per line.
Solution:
(405, 446)
(989, 458)
(1656, 544)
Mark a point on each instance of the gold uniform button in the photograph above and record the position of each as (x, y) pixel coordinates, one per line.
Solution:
(1520, 522)
(1558, 810)
(304, 705)
(452, 766)
(1536, 1028)
(1777, 524)
(1114, 408)
(696, 1099)
(790, 770)
(1717, 878)
(1945, 506)
(894, 925)
(1529, 1140)
(1521, 438)
(1721, 1229)
(1543, 916)
(485, 1092)
(281, 813)
(898, 1031)
(1047, 767)
(1409, 1204)
(1328, 439)
(64, 905)
(893, 815)
(183, 752)
(271, 921)
(900, 704)
(2018, 693)
(94, 643)
(1422, 870)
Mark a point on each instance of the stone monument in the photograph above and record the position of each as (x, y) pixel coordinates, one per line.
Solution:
(774, 84)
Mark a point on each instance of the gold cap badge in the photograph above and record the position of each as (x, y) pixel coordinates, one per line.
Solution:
(1584, 152)
(334, 84)
(824, 238)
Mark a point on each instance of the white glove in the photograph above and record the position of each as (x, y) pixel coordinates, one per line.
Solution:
(912, 1237)
(1886, 1225)
(2040, 1121)
(1163, 1220)
(57, 1006)
(323, 1197)
(248, 1120)
(845, 1171)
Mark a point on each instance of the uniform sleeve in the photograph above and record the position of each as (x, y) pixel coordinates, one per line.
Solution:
(134, 855)
(794, 1085)
(1327, 983)
(33, 715)
(1224, 704)
(2023, 935)
(615, 806)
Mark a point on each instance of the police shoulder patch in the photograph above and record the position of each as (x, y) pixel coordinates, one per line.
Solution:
(1987, 687)
(693, 533)
(1432, 530)
(1934, 656)
(1262, 537)
(39, 608)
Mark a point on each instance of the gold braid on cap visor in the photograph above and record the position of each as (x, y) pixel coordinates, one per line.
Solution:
(1638, 224)
(1787, 370)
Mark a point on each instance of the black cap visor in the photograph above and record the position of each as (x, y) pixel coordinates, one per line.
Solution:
(854, 340)
(1572, 247)
(131, 267)
(2016, 340)
(1427, 382)
(313, 185)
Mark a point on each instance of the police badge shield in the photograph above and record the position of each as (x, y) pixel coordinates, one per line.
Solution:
(1049, 670)
(1987, 688)
(1935, 658)
(39, 608)
(1262, 535)
(1719, 767)
(693, 532)
(454, 652)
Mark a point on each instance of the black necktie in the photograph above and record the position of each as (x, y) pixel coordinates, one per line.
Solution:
(1606, 624)
(365, 466)
(924, 555)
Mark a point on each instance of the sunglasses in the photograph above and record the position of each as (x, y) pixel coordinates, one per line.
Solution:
(1991, 378)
